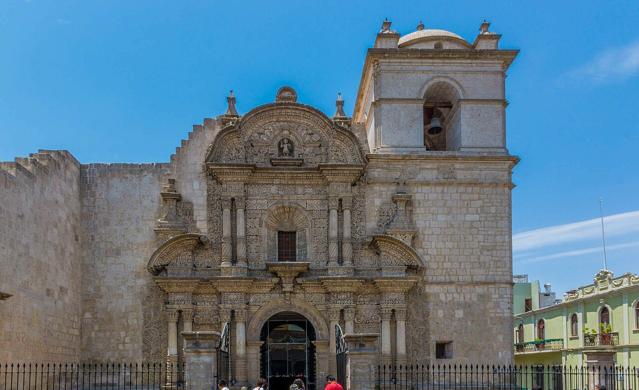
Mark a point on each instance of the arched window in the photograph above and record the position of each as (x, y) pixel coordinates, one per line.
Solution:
(574, 325)
(604, 316)
(541, 329)
(520, 333)
(637, 315)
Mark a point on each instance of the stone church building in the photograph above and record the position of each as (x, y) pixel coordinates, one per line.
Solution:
(282, 228)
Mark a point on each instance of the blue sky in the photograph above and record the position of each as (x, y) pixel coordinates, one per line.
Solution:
(123, 81)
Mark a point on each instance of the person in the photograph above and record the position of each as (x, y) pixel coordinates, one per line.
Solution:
(331, 383)
(300, 384)
(222, 385)
(261, 384)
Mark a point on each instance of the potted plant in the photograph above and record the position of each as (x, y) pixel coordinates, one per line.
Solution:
(589, 336)
(540, 343)
(605, 334)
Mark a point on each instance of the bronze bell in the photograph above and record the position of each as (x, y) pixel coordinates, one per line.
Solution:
(435, 126)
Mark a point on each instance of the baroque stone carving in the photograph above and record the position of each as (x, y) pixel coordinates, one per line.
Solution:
(178, 250)
(285, 129)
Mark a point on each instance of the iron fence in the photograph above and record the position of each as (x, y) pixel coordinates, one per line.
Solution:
(479, 377)
(104, 376)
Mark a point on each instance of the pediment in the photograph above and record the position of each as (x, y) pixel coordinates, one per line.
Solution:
(285, 134)
(395, 253)
(179, 251)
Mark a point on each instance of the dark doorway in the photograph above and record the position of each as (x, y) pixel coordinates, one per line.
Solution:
(288, 351)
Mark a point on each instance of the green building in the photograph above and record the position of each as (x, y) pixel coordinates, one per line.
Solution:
(527, 295)
(595, 325)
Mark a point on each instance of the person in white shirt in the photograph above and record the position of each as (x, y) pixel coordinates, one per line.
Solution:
(262, 384)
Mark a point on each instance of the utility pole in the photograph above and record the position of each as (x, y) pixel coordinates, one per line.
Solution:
(603, 233)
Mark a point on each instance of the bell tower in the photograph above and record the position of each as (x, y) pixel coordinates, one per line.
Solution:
(431, 90)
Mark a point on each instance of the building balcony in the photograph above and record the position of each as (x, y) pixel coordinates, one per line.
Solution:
(601, 340)
(540, 346)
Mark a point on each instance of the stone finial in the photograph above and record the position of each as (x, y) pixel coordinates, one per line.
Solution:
(386, 38)
(386, 26)
(486, 40)
(401, 226)
(286, 95)
(483, 28)
(170, 220)
(339, 107)
(230, 103)
(420, 26)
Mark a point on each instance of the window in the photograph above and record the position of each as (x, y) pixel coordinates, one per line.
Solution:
(520, 334)
(528, 304)
(637, 315)
(438, 45)
(286, 246)
(574, 325)
(444, 350)
(604, 316)
(541, 330)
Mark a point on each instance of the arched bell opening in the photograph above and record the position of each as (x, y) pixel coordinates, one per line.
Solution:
(440, 119)
(288, 351)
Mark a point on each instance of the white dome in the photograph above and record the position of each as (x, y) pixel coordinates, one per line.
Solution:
(427, 34)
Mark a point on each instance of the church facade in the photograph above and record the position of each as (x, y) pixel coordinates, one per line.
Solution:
(282, 228)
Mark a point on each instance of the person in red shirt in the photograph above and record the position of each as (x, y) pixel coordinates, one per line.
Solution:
(331, 384)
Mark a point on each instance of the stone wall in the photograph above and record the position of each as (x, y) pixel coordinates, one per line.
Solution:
(121, 319)
(461, 207)
(187, 167)
(40, 261)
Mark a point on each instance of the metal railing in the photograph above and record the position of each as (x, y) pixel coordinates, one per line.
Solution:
(540, 345)
(105, 376)
(474, 377)
(601, 339)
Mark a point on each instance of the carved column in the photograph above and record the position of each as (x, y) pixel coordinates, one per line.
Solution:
(253, 360)
(347, 245)
(321, 366)
(400, 342)
(226, 232)
(240, 346)
(349, 320)
(241, 231)
(333, 316)
(172, 319)
(187, 319)
(333, 204)
(386, 314)
(172, 352)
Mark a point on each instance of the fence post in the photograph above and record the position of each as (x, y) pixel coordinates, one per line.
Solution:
(200, 359)
(361, 361)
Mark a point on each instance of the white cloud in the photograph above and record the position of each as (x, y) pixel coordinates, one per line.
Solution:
(615, 63)
(576, 252)
(616, 225)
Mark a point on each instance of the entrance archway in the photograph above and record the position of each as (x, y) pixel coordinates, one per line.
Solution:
(288, 350)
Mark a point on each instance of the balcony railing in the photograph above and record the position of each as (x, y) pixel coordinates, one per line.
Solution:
(601, 339)
(540, 345)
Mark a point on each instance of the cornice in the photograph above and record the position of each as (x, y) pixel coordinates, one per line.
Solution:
(177, 285)
(336, 284)
(250, 173)
(443, 156)
(233, 285)
(395, 285)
